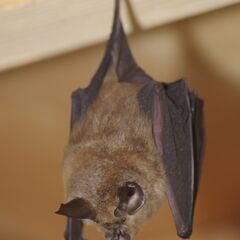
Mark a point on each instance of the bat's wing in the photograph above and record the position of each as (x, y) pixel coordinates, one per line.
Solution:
(118, 58)
(178, 134)
(73, 229)
(198, 136)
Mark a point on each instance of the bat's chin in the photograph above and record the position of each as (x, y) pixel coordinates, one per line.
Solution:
(124, 236)
(117, 234)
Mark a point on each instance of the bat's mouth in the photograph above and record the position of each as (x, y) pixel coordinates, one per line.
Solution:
(118, 236)
(119, 233)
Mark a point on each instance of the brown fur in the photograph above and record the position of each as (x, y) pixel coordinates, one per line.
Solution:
(113, 144)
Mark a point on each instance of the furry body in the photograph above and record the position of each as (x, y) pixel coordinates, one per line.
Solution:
(113, 144)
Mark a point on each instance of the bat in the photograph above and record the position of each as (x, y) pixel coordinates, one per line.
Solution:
(133, 142)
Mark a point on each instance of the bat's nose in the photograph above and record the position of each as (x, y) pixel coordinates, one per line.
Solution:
(119, 235)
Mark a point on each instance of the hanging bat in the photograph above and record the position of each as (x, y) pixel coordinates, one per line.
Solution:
(133, 141)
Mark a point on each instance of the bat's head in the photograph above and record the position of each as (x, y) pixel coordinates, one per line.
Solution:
(118, 224)
(130, 201)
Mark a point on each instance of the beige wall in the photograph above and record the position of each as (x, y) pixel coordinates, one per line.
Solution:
(34, 124)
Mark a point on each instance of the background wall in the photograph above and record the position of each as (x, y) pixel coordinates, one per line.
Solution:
(34, 126)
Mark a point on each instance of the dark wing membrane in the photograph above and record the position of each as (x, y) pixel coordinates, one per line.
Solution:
(198, 137)
(172, 128)
(117, 56)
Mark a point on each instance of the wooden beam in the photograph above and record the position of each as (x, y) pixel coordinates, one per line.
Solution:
(150, 13)
(45, 28)
(32, 30)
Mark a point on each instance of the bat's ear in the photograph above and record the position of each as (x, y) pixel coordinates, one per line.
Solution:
(131, 199)
(77, 208)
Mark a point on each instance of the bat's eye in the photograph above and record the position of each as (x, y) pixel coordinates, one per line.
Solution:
(131, 199)
(131, 191)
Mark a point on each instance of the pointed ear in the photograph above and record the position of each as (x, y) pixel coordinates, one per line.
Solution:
(131, 199)
(77, 208)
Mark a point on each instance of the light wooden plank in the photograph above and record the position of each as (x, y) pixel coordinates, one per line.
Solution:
(46, 28)
(8, 4)
(38, 29)
(156, 12)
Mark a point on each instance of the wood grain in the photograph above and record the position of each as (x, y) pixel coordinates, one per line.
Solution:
(156, 12)
(41, 28)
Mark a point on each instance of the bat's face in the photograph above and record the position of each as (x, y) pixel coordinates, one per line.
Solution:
(118, 222)
(108, 187)
(122, 224)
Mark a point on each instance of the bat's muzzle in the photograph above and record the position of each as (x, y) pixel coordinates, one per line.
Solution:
(117, 235)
